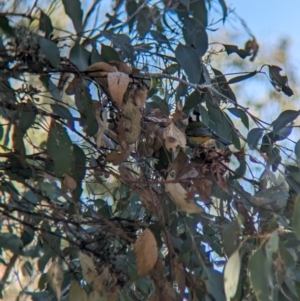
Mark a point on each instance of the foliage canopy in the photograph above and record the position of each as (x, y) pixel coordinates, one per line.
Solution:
(103, 197)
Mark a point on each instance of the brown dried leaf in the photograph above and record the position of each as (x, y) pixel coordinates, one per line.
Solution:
(95, 296)
(179, 274)
(178, 114)
(153, 298)
(131, 122)
(173, 138)
(116, 158)
(122, 67)
(148, 198)
(77, 293)
(69, 184)
(88, 268)
(146, 252)
(117, 84)
(70, 90)
(140, 96)
(203, 187)
(94, 69)
(181, 198)
(55, 278)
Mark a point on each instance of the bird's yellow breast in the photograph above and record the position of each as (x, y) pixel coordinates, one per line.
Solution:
(200, 139)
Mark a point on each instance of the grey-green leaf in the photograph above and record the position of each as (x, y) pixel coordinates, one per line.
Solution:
(253, 137)
(297, 150)
(79, 56)
(109, 54)
(143, 22)
(45, 24)
(189, 60)
(51, 51)
(4, 25)
(62, 112)
(74, 11)
(284, 119)
(60, 148)
(9, 241)
(296, 219)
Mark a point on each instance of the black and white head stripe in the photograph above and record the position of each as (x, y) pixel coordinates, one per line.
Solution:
(194, 116)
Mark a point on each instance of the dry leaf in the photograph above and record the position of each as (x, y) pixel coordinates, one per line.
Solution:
(102, 124)
(95, 296)
(122, 67)
(180, 197)
(146, 252)
(117, 84)
(179, 274)
(94, 69)
(153, 298)
(203, 186)
(88, 268)
(178, 114)
(140, 96)
(69, 184)
(55, 278)
(116, 158)
(148, 198)
(131, 122)
(70, 90)
(77, 293)
(173, 138)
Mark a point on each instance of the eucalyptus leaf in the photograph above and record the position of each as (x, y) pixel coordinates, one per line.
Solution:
(79, 56)
(74, 11)
(51, 51)
(284, 119)
(297, 150)
(45, 24)
(253, 137)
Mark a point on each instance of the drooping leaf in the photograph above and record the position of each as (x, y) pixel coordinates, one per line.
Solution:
(79, 56)
(279, 82)
(242, 53)
(122, 42)
(199, 11)
(109, 54)
(259, 275)
(297, 150)
(223, 86)
(12, 242)
(195, 36)
(60, 148)
(74, 11)
(51, 51)
(78, 169)
(131, 7)
(284, 119)
(241, 77)
(240, 114)
(63, 113)
(4, 25)
(192, 100)
(143, 22)
(189, 61)
(45, 24)
(296, 214)
(232, 274)
(224, 9)
(253, 137)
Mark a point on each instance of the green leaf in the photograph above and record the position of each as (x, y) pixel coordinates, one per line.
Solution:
(51, 51)
(224, 8)
(189, 61)
(109, 54)
(232, 274)
(241, 77)
(230, 234)
(63, 113)
(4, 25)
(296, 219)
(158, 102)
(240, 114)
(171, 69)
(74, 11)
(95, 56)
(131, 7)
(60, 148)
(12, 242)
(26, 120)
(253, 137)
(78, 169)
(123, 42)
(192, 100)
(199, 11)
(297, 150)
(195, 36)
(85, 107)
(143, 22)
(258, 275)
(242, 53)
(79, 56)
(45, 24)
(284, 119)
(1, 131)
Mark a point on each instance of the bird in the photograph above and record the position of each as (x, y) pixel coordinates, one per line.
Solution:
(198, 132)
